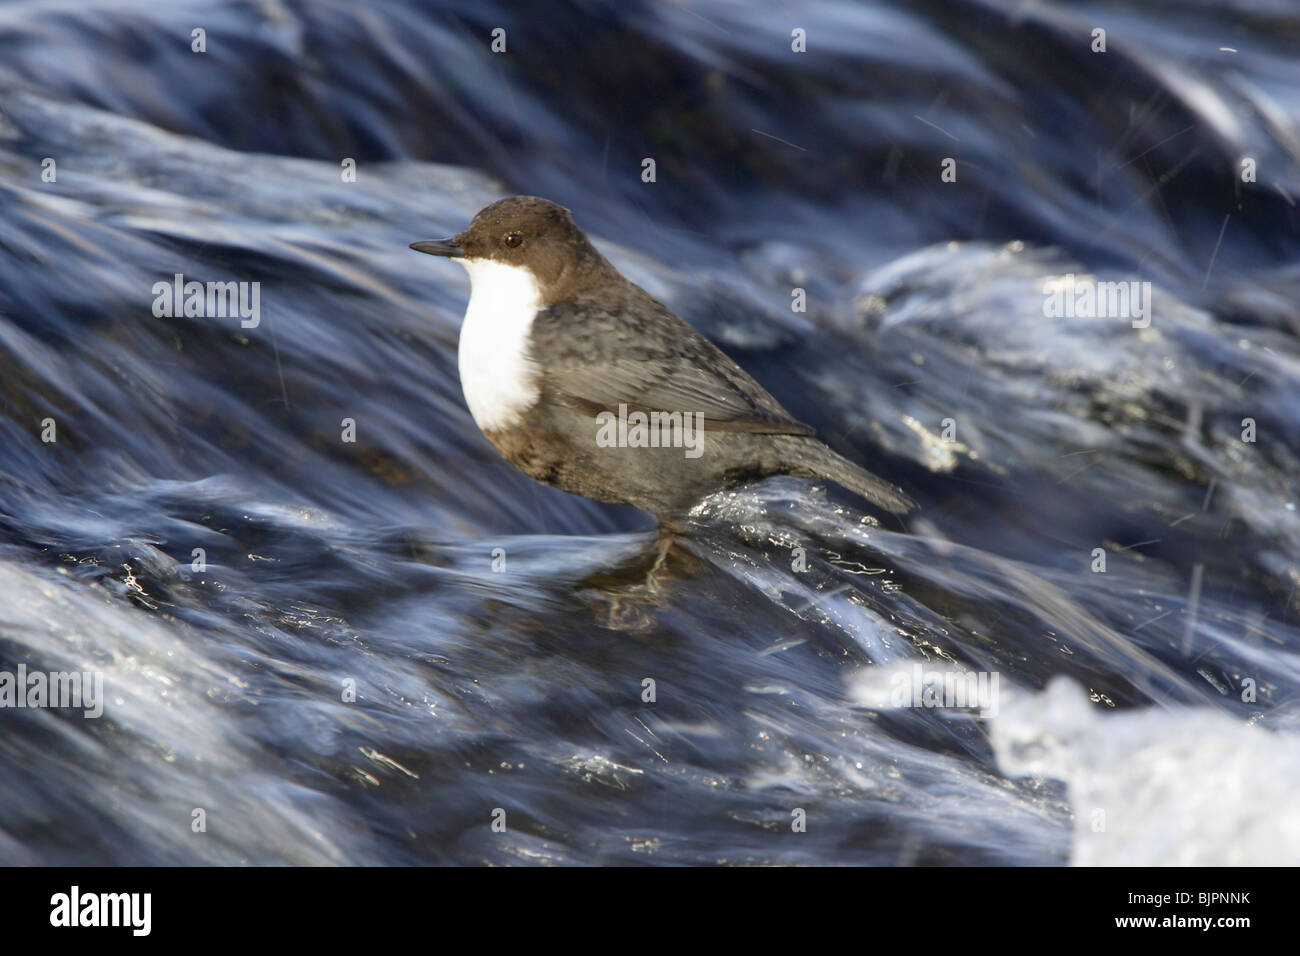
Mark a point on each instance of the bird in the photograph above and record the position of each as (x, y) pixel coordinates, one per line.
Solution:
(583, 380)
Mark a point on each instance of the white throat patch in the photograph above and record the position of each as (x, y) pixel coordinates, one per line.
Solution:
(496, 375)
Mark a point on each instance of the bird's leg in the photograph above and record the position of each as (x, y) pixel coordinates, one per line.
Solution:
(629, 595)
(663, 544)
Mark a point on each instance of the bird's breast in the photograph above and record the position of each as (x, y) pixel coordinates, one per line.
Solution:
(497, 375)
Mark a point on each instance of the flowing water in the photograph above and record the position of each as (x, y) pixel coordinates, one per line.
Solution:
(369, 651)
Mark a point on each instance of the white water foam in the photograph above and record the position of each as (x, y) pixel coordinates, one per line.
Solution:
(1153, 787)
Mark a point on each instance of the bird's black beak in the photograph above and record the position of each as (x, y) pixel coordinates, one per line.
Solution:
(439, 247)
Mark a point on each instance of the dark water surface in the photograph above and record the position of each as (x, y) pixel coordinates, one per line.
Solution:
(1164, 692)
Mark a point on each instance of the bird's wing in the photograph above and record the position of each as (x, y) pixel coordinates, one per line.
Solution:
(627, 348)
(673, 384)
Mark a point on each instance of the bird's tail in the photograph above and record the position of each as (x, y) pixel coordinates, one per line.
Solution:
(818, 461)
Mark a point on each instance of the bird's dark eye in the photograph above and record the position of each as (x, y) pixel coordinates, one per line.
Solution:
(514, 240)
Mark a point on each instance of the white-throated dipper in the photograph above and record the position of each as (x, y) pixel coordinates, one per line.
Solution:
(585, 381)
